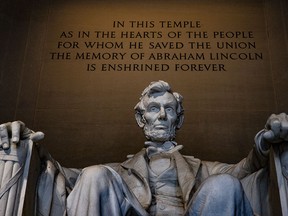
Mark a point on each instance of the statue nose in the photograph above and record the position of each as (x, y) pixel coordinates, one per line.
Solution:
(162, 114)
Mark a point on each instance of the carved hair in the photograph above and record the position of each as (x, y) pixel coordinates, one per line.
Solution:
(156, 87)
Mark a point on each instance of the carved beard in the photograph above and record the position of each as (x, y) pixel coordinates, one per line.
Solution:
(159, 136)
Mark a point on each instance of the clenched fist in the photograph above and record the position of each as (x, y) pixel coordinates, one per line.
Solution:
(276, 128)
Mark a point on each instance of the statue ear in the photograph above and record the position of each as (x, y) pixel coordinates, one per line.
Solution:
(139, 119)
(180, 121)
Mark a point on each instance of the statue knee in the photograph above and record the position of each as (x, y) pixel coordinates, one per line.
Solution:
(223, 183)
(97, 172)
(220, 194)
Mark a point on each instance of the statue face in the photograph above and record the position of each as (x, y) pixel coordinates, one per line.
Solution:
(160, 116)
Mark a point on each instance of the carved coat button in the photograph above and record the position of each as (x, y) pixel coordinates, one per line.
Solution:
(162, 206)
(129, 172)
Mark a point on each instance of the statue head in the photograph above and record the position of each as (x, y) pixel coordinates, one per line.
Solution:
(159, 112)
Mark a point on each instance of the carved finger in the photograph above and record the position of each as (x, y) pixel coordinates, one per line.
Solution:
(37, 136)
(284, 130)
(24, 131)
(269, 135)
(4, 136)
(15, 128)
(276, 127)
(282, 116)
(269, 121)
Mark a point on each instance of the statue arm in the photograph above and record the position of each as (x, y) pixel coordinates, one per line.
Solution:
(53, 180)
(252, 163)
(275, 132)
(13, 132)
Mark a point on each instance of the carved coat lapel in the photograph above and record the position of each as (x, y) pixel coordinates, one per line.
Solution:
(187, 171)
(135, 174)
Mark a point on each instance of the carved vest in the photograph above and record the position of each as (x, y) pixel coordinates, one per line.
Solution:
(163, 181)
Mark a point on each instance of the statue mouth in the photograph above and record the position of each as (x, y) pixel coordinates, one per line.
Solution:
(161, 126)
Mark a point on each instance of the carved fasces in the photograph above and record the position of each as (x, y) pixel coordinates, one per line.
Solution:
(14, 166)
(15, 154)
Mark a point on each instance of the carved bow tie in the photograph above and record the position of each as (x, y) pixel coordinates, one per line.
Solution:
(153, 148)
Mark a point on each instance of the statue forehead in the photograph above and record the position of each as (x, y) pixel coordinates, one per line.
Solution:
(159, 97)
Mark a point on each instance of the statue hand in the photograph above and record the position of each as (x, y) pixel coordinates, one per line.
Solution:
(276, 128)
(15, 132)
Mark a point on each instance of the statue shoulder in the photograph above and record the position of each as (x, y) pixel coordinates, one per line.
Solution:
(115, 166)
(191, 159)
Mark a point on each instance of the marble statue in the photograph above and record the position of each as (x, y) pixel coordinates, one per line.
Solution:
(158, 180)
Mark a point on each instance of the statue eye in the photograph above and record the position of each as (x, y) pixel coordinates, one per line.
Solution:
(169, 109)
(154, 109)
